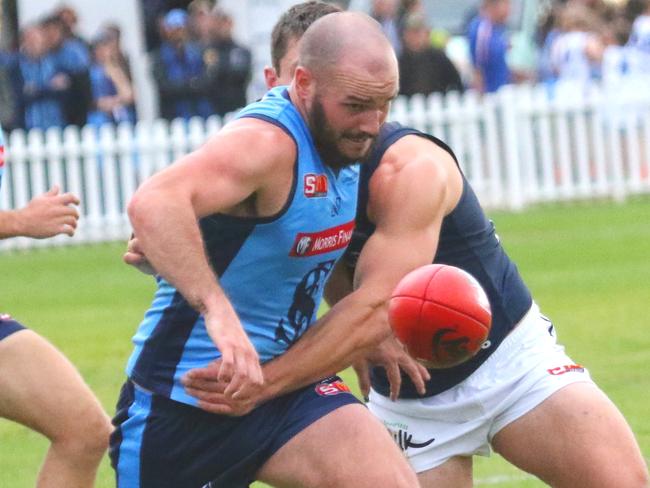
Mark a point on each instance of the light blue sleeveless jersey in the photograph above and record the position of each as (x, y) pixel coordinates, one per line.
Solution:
(272, 269)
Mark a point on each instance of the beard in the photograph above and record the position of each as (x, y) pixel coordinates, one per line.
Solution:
(328, 140)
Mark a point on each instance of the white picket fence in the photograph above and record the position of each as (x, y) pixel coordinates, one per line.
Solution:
(518, 147)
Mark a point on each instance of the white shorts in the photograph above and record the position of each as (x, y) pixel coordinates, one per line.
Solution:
(527, 367)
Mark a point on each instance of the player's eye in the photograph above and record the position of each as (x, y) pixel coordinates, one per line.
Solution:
(355, 107)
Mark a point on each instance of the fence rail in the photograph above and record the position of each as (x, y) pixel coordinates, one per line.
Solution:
(518, 147)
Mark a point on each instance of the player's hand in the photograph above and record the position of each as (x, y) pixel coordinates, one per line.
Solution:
(135, 257)
(392, 356)
(240, 365)
(49, 214)
(204, 385)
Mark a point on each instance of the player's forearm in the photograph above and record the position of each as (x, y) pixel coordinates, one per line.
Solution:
(169, 236)
(353, 327)
(10, 224)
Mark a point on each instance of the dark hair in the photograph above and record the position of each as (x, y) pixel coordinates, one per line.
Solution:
(293, 24)
(52, 20)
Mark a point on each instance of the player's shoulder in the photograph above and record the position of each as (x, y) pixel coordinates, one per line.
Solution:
(254, 138)
(415, 154)
(416, 165)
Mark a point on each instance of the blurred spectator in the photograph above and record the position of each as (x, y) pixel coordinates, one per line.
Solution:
(180, 72)
(577, 51)
(73, 58)
(603, 11)
(424, 69)
(70, 20)
(115, 39)
(230, 67)
(111, 88)
(408, 7)
(10, 110)
(488, 44)
(44, 85)
(548, 30)
(201, 23)
(386, 13)
(634, 8)
(640, 35)
(8, 105)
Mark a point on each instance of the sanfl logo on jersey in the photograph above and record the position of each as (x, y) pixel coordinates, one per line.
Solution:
(315, 185)
(331, 388)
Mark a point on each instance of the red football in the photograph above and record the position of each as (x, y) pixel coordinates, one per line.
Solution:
(441, 314)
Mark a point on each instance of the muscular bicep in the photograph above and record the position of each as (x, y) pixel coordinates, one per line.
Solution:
(407, 207)
(228, 169)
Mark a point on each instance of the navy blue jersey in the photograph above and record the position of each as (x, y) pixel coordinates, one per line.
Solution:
(467, 241)
(272, 269)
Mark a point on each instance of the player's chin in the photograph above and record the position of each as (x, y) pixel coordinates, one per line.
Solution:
(355, 149)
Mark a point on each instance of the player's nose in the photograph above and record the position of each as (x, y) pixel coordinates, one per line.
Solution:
(372, 122)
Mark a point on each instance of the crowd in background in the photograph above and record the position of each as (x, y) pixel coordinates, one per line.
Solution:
(576, 40)
(589, 40)
(57, 78)
(198, 67)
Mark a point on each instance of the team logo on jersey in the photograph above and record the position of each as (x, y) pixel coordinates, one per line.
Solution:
(331, 388)
(569, 368)
(315, 185)
(312, 243)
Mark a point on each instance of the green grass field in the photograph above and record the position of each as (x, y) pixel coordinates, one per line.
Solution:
(588, 266)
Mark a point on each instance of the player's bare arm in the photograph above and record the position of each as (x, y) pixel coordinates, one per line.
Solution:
(405, 238)
(244, 170)
(46, 215)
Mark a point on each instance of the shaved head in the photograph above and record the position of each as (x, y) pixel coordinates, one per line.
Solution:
(341, 39)
(346, 78)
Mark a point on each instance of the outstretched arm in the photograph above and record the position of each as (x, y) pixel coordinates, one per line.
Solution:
(46, 215)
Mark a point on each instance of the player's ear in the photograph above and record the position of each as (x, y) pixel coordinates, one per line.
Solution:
(270, 77)
(303, 81)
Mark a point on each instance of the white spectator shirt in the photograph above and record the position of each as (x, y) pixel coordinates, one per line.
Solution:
(640, 35)
(569, 59)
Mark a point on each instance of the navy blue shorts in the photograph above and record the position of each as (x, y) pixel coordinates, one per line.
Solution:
(161, 443)
(8, 327)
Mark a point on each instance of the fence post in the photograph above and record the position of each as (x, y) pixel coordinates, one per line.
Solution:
(92, 195)
(476, 157)
(72, 154)
(128, 165)
(529, 179)
(54, 166)
(563, 174)
(493, 149)
(508, 105)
